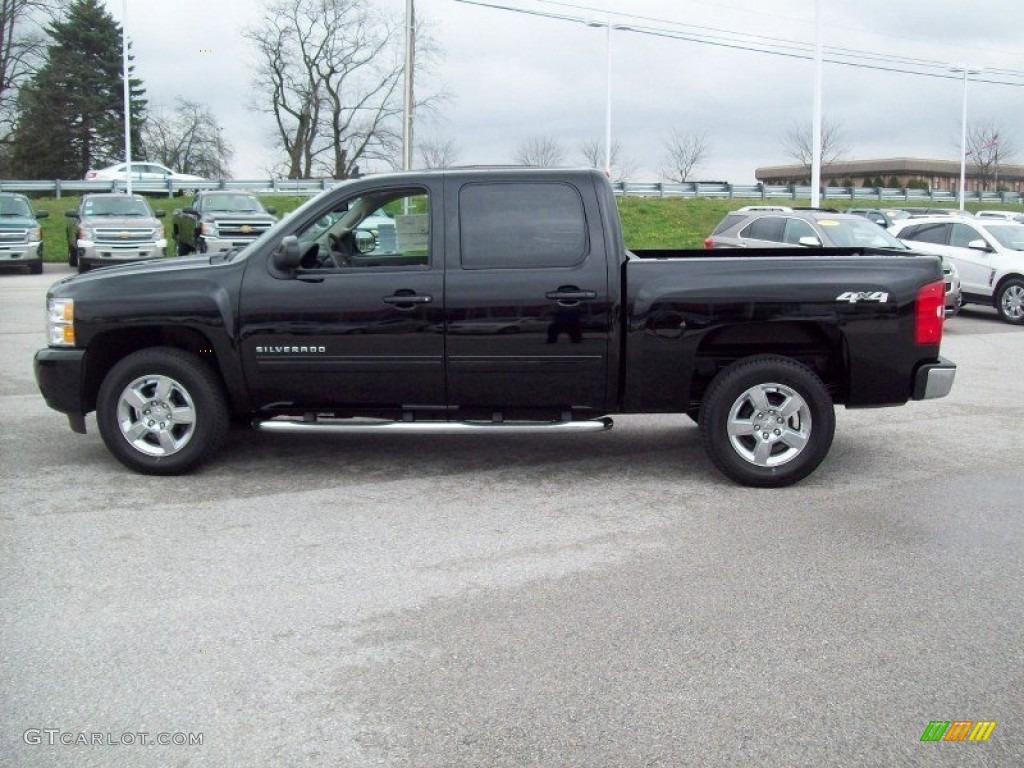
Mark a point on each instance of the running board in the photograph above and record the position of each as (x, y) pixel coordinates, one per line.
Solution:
(342, 427)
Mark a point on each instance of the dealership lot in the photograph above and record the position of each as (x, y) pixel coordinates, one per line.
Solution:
(579, 600)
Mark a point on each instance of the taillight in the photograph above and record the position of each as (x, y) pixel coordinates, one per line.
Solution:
(709, 243)
(930, 311)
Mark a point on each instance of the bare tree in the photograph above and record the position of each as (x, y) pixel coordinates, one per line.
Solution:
(988, 147)
(189, 139)
(798, 144)
(593, 153)
(684, 151)
(539, 151)
(439, 153)
(22, 46)
(330, 75)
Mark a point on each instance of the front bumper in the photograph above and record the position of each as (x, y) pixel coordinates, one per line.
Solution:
(105, 253)
(60, 376)
(934, 380)
(210, 244)
(21, 252)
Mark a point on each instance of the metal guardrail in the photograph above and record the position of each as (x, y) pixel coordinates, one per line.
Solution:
(690, 189)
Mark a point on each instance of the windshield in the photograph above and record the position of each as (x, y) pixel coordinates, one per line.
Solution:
(233, 203)
(1009, 236)
(858, 233)
(14, 207)
(116, 206)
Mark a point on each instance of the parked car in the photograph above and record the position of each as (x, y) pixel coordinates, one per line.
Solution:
(989, 256)
(876, 215)
(758, 351)
(816, 228)
(21, 237)
(919, 212)
(141, 171)
(112, 228)
(772, 208)
(219, 221)
(1017, 218)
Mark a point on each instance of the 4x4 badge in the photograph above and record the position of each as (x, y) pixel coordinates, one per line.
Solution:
(854, 296)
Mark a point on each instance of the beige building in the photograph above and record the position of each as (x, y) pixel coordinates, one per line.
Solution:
(909, 171)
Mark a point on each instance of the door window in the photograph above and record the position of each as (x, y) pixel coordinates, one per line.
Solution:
(533, 225)
(963, 234)
(379, 229)
(770, 228)
(797, 228)
(929, 233)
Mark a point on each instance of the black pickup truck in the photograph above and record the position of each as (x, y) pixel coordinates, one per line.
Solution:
(490, 301)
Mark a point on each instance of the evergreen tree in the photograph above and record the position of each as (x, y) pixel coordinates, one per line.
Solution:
(72, 111)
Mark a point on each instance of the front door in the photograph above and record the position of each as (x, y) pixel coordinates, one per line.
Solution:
(359, 326)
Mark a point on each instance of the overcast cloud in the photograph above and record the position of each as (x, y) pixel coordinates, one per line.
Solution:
(511, 76)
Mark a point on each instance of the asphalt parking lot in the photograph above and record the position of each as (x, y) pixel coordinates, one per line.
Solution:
(591, 600)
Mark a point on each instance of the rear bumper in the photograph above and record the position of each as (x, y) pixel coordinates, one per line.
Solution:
(934, 380)
(59, 375)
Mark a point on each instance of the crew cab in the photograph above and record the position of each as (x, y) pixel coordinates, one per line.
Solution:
(505, 303)
(220, 221)
(21, 238)
(113, 228)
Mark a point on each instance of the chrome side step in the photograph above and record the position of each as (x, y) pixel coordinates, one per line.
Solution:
(319, 426)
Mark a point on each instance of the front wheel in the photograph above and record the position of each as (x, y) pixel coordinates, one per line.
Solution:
(161, 411)
(767, 422)
(1010, 301)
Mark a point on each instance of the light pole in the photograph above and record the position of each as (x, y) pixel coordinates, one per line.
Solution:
(127, 97)
(963, 129)
(816, 112)
(608, 26)
(410, 57)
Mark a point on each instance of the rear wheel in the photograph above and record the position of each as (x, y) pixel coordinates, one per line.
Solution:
(161, 411)
(1010, 301)
(767, 421)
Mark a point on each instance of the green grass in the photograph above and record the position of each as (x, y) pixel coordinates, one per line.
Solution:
(647, 223)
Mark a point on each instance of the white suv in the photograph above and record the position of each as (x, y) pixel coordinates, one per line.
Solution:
(989, 255)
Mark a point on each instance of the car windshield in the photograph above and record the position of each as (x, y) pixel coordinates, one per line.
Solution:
(14, 207)
(116, 206)
(858, 233)
(235, 203)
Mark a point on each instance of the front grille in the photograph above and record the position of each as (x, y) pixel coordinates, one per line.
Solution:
(115, 237)
(241, 229)
(10, 236)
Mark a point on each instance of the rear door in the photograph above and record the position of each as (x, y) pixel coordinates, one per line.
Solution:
(973, 264)
(528, 310)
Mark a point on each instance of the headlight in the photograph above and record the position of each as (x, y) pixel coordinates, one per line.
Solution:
(85, 233)
(35, 235)
(60, 322)
(208, 228)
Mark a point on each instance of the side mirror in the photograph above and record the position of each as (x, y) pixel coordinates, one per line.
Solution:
(42, 214)
(365, 241)
(810, 242)
(271, 210)
(71, 214)
(190, 211)
(288, 256)
(160, 214)
(979, 245)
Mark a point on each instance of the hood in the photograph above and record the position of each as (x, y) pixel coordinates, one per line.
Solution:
(18, 222)
(170, 264)
(120, 222)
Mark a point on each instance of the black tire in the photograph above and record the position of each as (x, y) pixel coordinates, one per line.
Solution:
(83, 266)
(72, 255)
(181, 395)
(791, 410)
(182, 247)
(36, 268)
(1010, 301)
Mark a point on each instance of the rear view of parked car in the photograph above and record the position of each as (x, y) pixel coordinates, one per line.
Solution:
(21, 239)
(112, 228)
(989, 256)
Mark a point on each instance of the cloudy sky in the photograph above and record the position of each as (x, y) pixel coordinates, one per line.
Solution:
(512, 76)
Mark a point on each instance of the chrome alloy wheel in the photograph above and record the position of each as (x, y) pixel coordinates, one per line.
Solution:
(769, 425)
(156, 415)
(1012, 301)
